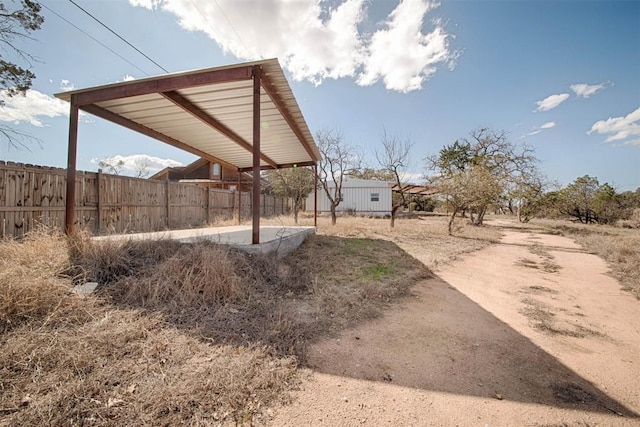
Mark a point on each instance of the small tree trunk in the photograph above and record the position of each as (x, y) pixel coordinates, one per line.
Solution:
(296, 209)
(394, 209)
(453, 215)
(480, 217)
(333, 215)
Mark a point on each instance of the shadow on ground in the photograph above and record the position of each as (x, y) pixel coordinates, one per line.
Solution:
(443, 341)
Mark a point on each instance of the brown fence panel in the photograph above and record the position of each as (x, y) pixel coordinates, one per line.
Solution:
(29, 196)
(221, 205)
(187, 205)
(34, 195)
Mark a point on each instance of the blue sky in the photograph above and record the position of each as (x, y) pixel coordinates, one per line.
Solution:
(561, 76)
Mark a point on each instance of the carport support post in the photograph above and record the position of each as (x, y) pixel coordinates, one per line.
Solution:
(255, 202)
(70, 202)
(315, 195)
(239, 191)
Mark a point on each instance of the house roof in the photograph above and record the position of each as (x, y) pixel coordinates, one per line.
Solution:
(209, 112)
(184, 170)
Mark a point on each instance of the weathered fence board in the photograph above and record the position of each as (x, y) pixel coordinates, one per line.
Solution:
(35, 195)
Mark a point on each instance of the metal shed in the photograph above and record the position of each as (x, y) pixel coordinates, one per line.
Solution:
(242, 116)
(359, 196)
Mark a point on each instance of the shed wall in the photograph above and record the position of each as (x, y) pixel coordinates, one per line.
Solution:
(356, 200)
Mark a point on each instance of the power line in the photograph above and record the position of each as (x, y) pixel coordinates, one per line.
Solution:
(204, 17)
(119, 36)
(94, 39)
(232, 27)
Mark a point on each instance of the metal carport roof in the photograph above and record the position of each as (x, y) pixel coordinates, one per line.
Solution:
(243, 116)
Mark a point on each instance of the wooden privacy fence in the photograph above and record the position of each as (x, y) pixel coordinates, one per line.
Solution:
(35, 195)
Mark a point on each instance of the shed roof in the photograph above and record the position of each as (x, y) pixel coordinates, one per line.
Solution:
(209, 112)
(349, 182)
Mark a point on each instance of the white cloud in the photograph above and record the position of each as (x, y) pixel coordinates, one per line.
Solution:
(584, 90)
(136, 163)
(149, 4)
(31, 107)
(551, 102)
(401, 54)
(66, 85)
(548, 125)
(316, 40)
(625, 129)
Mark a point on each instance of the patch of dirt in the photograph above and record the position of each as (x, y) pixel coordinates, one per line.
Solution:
(464, 349)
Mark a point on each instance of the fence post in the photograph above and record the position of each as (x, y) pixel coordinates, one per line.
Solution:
(168, 200)
(99, 197)
(239, 193)
(208, 204)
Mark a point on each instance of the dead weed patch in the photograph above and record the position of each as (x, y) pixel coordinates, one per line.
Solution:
(176, 334)
(545, 320)
(126, 368)
(32, 282)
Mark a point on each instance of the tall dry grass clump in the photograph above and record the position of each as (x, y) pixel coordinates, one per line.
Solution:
(197, 274)
(33, 285)
(108, 260)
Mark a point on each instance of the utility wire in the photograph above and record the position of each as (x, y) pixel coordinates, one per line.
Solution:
(94, 39)
(224, 15)
(216, 33)
(232, 27)
(118, 35)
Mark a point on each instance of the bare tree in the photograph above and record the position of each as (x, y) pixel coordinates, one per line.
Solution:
(112, 166)
(140, 168)
(17, 139)
(394, 159)
(296, 183)
(338, 159)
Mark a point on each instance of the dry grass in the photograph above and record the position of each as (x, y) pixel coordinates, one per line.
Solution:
(619, 247)
(67, 360)
(183, 334)
(32, 287)
(545, 260)
(425, 238)
(106, 261)
(544, 320)
(125, 367)
(199, 274)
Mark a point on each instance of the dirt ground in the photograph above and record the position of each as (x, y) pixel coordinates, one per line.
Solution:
(528, 332)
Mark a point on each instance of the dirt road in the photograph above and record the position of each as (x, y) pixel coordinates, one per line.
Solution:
(531, 331)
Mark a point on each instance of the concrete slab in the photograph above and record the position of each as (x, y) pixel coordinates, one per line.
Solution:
(279, 239)
(86, 288)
